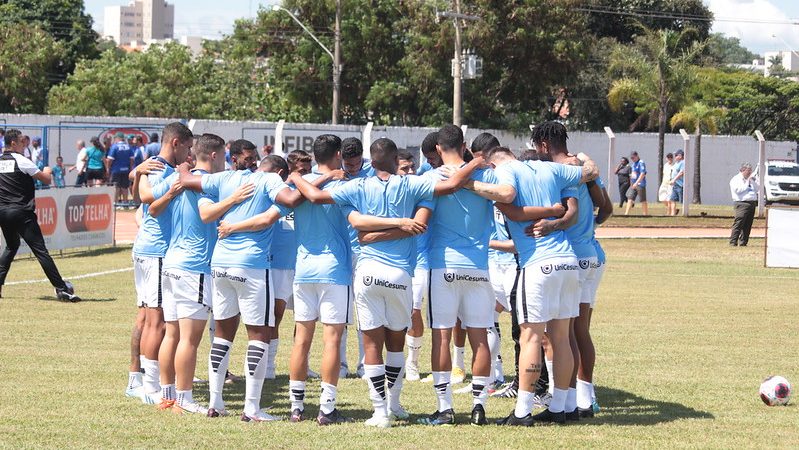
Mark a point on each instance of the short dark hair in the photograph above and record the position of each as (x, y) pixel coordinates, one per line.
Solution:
(405, 154)
(483, 142)
(325, 147)
(493, 151)
(176, 130)
(240, 145)
(11, 135)
(634, 153)
(297, 156)
(278, 164)
(669, 155)
(351, 147)
(467, 155)
(552, 132)
(429, 143)
(153, 137)
(208, 143)
(450, 137)
(384, 154)
(529, 155)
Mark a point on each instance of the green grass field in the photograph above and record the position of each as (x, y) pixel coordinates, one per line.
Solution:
(685, 330)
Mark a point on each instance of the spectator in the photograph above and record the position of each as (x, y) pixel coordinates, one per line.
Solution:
(154, 147)
(58, 173)
(2, 136)
(137, 148)
(623, 173)
(26, 142)
(38, 152)
(119, 162)
(228, 161)
(95, 164)
(80, 164)
(638, 184)
(664, 191)
(744, 189)
(677, 179)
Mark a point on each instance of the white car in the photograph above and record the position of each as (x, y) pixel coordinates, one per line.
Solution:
(782, 181)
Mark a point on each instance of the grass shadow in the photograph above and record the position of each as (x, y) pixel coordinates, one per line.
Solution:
(82, 299)
(625, 408)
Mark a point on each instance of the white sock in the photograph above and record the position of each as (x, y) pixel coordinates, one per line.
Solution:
(168, 391)
(479, 390)
(218, 362)
(297, 394)
(342, 348)
(376, 377)
(395, 373)
(443, 390)
(270, 361)
(571, 400)
(558, 402)
(584, 389)
(134, 380)
(254, 377)
(327, 401)
(184, 397)
(493, 347)
(551, 374)
(524, 404)
(458, 360)
(414, 345)
(151, 376)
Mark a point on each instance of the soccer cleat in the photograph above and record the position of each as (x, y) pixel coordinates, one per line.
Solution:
(378, 422)
(464, 390)
(212, 412)
(573, 416)
(446, 417)
(595, 406)
(297, 415)
(313, 375)
(512, 420)
(427, 379)
(548, 416)
(542, 400)
(585, 413)
(344, 371)
(259, 416)
(68, 294)
(509, 390)
(399, 413)
(270, 373)
(189, 408)
(411, 373)
(230, 378)
(478, 415)
(458, 375)
(165, 404)
(334, 418)
(150, 399)
(196, 380)
(495, 386)
(134, 392)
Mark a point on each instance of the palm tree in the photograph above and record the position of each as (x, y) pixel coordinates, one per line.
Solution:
(654, 73)
(698, 116)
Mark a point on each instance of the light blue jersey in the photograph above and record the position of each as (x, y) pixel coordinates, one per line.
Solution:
(461, 226)
(500, 233)
(192, 241)
(323, 241)
(284, 243)
(581, 234)
(396, 197)
(154, 233)
(248, 250)
(538, 183)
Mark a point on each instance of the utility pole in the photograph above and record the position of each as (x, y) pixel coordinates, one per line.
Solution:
(337, 64)
(457, 78)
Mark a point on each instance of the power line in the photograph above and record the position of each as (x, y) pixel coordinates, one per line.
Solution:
(678, 16)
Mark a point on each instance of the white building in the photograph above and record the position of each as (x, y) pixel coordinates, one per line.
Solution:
(790, 60)
(141, 21)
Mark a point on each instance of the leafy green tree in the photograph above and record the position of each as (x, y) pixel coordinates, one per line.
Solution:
(654, 74)
(722, 49)
(28, 56)
(622, 19)
(698, 116)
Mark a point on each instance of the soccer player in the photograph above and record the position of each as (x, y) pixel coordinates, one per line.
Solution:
(383, 291)
(149, 250)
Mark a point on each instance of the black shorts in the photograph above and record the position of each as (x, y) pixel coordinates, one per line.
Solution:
(120, 180)
(95, 174)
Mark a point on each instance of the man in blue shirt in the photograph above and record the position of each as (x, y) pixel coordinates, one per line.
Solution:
(638, 184)
(383, 276)
(676, 182)
(149, 250)
(119, 163)
(153, 147)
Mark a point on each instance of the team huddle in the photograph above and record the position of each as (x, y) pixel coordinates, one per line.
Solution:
(470, 234)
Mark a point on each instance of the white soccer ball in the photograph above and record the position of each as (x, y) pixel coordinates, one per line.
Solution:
(775, 390)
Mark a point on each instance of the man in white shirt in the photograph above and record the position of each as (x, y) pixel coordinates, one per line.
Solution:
(744, 189)
(80, 164)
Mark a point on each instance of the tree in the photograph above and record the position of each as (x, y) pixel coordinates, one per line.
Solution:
(622, 19)
(698, 116)
(654, 74)
(27, 56)
(722, 50)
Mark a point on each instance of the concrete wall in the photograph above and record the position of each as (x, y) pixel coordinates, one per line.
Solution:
(721, 155)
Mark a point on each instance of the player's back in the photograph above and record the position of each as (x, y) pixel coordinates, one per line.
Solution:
(581, 234)
(192, 241)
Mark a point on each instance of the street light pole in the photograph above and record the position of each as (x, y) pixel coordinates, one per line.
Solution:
(336, 57)
(457, 76)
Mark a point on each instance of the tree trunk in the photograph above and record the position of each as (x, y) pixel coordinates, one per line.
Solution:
(661, 140)
(697, 167)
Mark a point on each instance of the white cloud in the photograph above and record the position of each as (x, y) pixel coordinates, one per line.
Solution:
(756, 36)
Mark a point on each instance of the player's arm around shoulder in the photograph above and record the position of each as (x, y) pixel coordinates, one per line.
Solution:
(311, 192)
(258, 222)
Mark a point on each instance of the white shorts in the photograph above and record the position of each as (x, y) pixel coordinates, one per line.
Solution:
(383, 296)
(502, 278)
(421, 286)
(187, 295)
(589, 288)
(464, 294)
(586, 270)
(327, 303)
(245, 291)
(284, 284)
(548, 290)
(147, 272)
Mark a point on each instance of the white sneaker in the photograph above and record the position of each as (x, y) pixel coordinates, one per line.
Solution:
(150, 399)
(134, 392)
(190, 407)
(312, 374)
(399, 413)
(411, 373)
(259, 416)
(378, 422)
(464, 390)
(270, 373)
(344, 371)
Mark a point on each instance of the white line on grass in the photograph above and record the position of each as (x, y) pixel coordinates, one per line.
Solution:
(76, 277)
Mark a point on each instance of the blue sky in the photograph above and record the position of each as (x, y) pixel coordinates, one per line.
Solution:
(752, 21)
